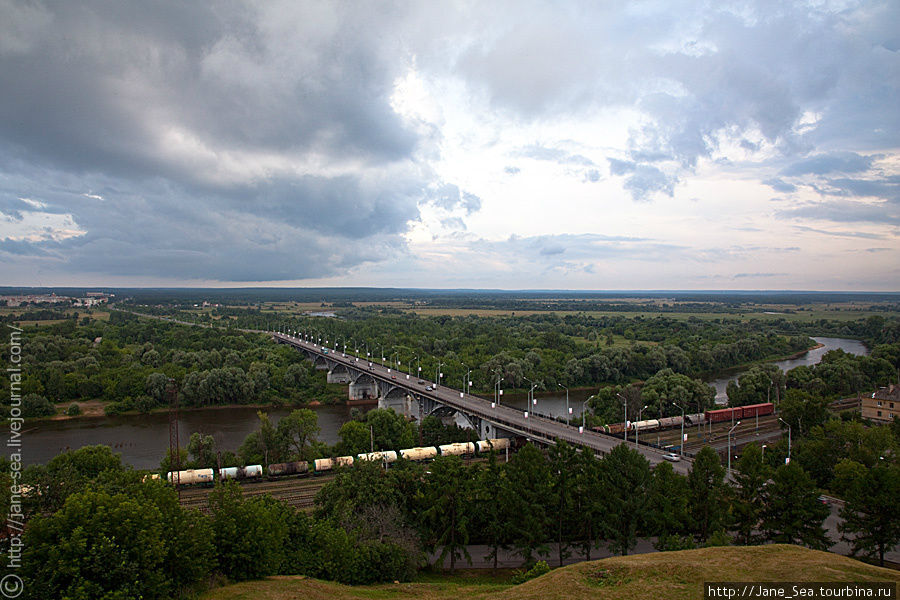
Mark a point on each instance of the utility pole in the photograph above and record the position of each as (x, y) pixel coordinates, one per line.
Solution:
(174, 440)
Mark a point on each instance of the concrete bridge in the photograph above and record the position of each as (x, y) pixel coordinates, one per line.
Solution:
(402, 392)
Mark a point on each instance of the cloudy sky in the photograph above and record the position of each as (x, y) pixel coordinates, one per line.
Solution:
(565, 145)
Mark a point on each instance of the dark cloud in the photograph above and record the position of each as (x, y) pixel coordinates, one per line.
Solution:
(276, 115)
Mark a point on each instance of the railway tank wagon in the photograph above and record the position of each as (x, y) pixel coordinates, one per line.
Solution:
(191, 477)
(299, 467)
(458, 449)
(419, 453)
(485, 446)
(387, 456)
(241, 473)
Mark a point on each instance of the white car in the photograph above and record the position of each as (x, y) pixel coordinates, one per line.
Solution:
(672, 456)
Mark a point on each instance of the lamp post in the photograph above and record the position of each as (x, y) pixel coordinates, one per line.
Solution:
(729, 446)
(584, 413)
(640, 412)
(682, 427)
(625, 404)
(438, 373)
(567, 401)
(497, 391)
(789, 438)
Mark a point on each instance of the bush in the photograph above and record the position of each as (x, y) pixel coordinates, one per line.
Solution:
(540, 568)
(74, 410)
(35, 405)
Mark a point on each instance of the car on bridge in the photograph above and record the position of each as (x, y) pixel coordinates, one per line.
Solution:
(672, 457)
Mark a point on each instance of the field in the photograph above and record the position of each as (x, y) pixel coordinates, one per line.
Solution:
(668, 575)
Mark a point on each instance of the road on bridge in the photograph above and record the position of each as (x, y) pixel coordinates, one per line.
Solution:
(507, 418)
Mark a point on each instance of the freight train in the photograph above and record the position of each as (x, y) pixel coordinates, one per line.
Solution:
(324, 465)
(710, 416)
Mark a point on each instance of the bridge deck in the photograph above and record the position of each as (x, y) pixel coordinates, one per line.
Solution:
(507, 418)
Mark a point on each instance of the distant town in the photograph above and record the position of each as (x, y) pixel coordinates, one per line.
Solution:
(89, 299)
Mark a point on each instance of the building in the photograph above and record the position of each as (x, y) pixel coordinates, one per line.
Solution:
(883, 405)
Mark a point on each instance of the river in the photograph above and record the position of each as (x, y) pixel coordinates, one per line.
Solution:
(143, 439)
(810, 358)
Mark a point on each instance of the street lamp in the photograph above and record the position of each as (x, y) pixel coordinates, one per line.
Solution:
(682, 427)
(438, 373)
(789, 439)
(640, 411)
(567, 401)
(729, 446)
(584, 413)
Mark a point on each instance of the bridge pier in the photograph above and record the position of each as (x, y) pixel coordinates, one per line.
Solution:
(338, 375)
(363, 389)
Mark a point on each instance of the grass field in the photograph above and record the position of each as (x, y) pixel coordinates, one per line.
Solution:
(663, 575)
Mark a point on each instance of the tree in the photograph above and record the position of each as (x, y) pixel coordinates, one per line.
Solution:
(299, 430)
(764, 383)
(564, 467)
(793, 513)
(707, 493)
(626, 477)
(750, 478)
(667, 386)
(391, 431)
(129, 544)
(588, 494)
(527, 493)
(156, 386)
(35, 405)
(250, 534)
(870, 513)
(447, 496)
(803, 411)
(667, 510)
(203, 449)
(492, 518)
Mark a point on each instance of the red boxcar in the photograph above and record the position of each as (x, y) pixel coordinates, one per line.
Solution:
(759, 410)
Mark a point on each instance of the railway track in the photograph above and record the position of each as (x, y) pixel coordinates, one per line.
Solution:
(299, 493)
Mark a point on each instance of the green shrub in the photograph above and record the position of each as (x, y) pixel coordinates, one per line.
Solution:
(73, 411)
(540, 568)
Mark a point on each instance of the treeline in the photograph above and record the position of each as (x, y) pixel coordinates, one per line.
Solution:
(128, 361)
(372, 524)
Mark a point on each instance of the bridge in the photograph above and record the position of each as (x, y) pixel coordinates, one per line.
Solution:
(404, 392)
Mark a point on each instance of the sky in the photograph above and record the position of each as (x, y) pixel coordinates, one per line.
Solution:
(503, 144)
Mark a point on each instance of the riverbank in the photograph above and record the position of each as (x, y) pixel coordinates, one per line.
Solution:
(96, 409)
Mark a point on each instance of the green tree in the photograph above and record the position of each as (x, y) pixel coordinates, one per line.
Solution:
(299, 430)
(564, 465)
(250, 534)
(793, 513)
(707, 492)
(626, 477)
(762, 383)
(103, 544)
(746, 507)
(355, 438)
(803, 411)
(870, 513)
(35, 405)
(203, 450)
(527, 494)
(391, 430)
(667, 510)
(448, 498)
(588, 493)
(492, 519)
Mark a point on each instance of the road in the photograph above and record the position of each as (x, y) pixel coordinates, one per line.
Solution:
(507, 418)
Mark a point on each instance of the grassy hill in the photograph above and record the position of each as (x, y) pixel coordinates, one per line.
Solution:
(668, 575)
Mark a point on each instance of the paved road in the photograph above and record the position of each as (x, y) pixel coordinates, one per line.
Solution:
(507, 418)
